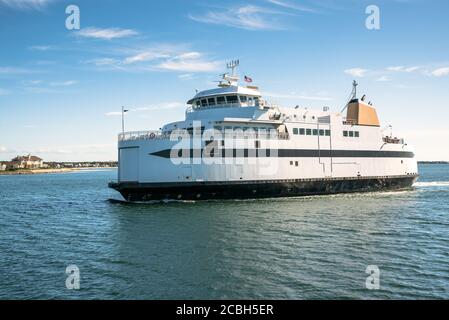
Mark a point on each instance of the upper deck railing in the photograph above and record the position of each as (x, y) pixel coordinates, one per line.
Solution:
(159, 135)
(191, 109)
(143, 135)
(393, 140)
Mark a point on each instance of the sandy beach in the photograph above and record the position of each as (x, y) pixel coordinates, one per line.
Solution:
(46, 171)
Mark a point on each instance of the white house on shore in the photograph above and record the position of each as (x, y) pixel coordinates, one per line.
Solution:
(27, 162)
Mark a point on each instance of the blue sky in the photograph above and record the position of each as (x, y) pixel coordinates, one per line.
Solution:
(60, 90)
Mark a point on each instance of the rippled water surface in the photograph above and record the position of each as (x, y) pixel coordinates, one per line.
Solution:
(300, 248)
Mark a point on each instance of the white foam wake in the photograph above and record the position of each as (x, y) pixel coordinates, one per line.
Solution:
(432, 184)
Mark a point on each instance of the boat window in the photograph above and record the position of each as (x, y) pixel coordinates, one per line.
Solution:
(351, 133)
(296, 163)
(315, 132)
(256, 101)
(243, 98)
(204, 103)
(309, 132)
(345, 133)
(250, 100)
(295, 131)
(211, 101)
(321, 132)
(221, 100)
(302, 131)
(232, 99)
(198, 103)
(328, 133)
(356, 134)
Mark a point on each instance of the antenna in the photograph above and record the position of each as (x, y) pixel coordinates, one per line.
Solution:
(233, 65)
(354, 89)
(352, 96)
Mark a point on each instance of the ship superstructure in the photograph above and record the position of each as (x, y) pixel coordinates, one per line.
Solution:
(233, 144)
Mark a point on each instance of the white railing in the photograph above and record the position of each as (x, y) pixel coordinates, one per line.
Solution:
(393, 140)
(158, 135)
(142, 135)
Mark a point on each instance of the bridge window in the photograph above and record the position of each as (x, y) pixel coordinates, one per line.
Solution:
(243, 98)
(295, 131)
(302, 131)
(198, 103)
(356, 134)
(345, 133)
(351, 133)
(315, 132)
(204, 103)
(232, 99)
(211, 101)
(321, 132)
(309, 132)
(221, 100)
(328, 133)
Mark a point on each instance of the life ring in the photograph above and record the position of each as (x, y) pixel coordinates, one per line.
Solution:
(152, 135)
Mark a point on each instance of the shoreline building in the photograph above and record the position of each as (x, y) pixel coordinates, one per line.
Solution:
(27, 162)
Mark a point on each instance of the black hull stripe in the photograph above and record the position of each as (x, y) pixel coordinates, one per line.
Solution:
(295, 153)
(258, 189)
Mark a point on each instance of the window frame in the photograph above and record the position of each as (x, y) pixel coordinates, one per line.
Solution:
(222, 98)
(213, 101)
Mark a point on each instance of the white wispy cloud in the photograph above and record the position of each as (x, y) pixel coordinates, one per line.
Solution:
(26, 4)
(159, 58)
(383, 79)
(155, 107)
(31, 82)
(248, 17)
(148, 55)
(106, 33)
(289, 5)
(41, 48)
(357, 72)
(190, 62)
(186, 76)
(403, 69)
(440, 72)
(296, 97)
(63, 83)
(3, 149)
(14, 71)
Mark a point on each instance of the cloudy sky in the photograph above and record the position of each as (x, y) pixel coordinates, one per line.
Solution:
(61, 90)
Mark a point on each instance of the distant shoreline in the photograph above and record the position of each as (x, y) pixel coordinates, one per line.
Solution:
(433, 162)
(48, 171)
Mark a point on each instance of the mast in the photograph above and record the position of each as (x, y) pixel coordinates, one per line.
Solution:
(233, 79)
(354, 90)
(352, 96)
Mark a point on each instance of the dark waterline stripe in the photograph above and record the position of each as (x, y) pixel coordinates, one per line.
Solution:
(294, 153)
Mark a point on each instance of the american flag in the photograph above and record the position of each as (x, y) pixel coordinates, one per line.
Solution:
(248, 79)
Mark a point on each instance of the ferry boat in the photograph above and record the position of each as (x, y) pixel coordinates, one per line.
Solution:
(235, 145)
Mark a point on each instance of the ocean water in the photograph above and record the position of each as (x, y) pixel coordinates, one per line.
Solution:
(298, 248)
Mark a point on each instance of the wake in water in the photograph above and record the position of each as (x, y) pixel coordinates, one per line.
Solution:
(425, 184)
